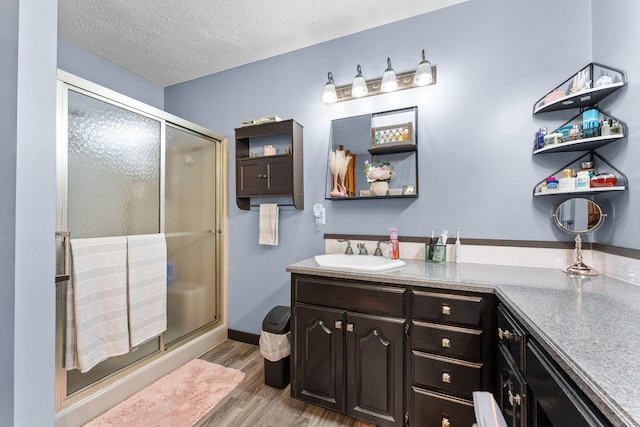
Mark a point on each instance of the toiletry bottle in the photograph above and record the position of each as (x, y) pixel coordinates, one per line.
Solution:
(394, 245)
(440, 251)
(428, 247)
(457, 246)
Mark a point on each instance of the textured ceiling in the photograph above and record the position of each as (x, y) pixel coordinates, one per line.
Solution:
(172, 41)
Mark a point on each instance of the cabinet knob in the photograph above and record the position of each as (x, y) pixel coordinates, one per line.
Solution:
(506, 335)
(338, 324)
(349, 327)
(446, 309)
(514, 399)
(446, 377)
(446, 422)
(446, 343)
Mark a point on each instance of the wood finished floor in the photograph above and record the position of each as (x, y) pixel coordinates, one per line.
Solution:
(254, 404)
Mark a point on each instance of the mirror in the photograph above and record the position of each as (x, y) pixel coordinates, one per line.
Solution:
(359, 138)
(579, 216)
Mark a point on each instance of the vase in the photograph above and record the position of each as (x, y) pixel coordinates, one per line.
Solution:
(379, 188)
(335, 192)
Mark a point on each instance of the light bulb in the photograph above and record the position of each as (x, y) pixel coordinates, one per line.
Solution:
(423, 74)
(389, 79)
(329, 95)
(359, 87)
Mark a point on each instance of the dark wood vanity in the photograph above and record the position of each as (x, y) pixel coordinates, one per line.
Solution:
(412, 355)
(390, 355)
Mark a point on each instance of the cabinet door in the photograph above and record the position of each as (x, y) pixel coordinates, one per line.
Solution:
(278, 175)
(249, 177)
(319, 356)
(375, 356)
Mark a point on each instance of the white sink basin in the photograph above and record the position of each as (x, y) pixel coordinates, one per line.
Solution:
(358, 262)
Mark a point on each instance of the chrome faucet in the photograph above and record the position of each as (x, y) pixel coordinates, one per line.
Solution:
(362, 250)
(378, 251)
(347, 251)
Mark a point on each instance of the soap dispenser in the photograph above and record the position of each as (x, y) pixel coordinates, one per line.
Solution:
(394, 245)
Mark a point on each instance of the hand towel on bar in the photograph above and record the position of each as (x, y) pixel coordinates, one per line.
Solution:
(147, 262)
(268, 229)
(99, 302)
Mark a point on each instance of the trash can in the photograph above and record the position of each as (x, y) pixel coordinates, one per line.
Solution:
(275, 346)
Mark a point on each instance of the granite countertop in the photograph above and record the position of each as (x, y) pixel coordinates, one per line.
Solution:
(589, 326)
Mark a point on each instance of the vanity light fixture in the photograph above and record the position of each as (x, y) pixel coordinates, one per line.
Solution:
(359, 86)
(424, 75)
(329, 95)
(389, 79)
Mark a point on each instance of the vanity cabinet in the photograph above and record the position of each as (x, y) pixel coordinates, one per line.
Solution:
(279, 175)
(533, 391)
(452, 355)
(348, 347)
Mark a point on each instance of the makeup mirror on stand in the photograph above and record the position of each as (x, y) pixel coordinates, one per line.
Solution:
(579, 216)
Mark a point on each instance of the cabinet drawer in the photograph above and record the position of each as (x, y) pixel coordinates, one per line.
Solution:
(512, 336)
(446, 340)
(448, 375)
(350, 295)
(436, 410)
(460, 309)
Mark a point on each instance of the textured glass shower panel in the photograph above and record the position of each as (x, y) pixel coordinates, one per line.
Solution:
(191, 296)
(190, 182)
(190, 228)
(113, 190)
(114, 170)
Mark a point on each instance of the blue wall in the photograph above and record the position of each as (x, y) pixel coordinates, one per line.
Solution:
(615, 39)
(495, 59)
(8, 135)
(83, 63)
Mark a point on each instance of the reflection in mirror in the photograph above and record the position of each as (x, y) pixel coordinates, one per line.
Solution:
(356, 137)
(578, 216)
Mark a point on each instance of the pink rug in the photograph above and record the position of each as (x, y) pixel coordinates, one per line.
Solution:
(178, 399)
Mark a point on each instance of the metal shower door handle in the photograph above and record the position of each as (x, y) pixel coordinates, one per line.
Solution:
(66, 256)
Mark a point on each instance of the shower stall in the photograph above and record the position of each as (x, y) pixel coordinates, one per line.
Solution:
(125, 168)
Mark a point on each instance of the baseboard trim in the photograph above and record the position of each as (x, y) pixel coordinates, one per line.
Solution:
(244, 337)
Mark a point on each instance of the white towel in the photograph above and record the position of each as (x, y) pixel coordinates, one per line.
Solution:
(97, 311)
(268, 224)
(147, 263)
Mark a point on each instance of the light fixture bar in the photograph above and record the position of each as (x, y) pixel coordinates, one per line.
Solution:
(405, 81)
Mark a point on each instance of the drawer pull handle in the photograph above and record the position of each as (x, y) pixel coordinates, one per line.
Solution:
(506, 335)
(446, 422)
(338, 324)
(514, 399)
(446, 310)
(446, 377)
(349, 327)
(446, 343)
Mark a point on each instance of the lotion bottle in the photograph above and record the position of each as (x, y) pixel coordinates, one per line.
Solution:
(394, 245)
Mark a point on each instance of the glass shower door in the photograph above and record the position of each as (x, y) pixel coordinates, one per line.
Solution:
(113, 164)
(190, 218)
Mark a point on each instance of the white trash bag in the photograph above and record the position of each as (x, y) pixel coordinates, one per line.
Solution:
(274, 347)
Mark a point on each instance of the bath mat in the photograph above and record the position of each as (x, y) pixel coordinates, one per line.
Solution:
(178, 399)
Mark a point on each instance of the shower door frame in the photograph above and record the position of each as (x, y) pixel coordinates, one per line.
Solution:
(165, 358)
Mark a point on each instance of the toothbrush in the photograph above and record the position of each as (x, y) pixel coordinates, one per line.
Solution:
(457, 246)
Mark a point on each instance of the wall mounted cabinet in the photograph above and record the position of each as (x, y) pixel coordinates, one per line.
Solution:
(279, 175)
